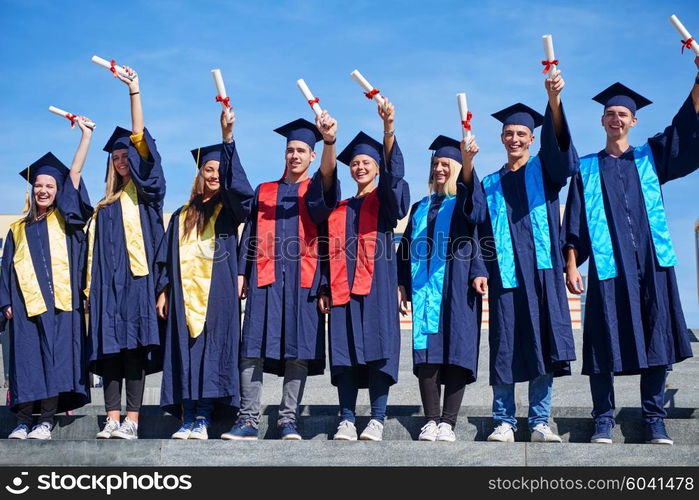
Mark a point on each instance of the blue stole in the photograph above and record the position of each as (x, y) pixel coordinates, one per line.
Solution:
(497, 208)
(598, 228)
(427, 271)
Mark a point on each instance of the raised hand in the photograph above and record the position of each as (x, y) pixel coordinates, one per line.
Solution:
(327, 126)
(227, 122)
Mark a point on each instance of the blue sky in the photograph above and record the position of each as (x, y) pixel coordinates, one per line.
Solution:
(419, 57)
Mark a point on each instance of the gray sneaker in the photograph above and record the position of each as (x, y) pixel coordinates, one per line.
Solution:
(428, 432)
(346, 431)
(20, 432)
(109, 427)
(41, 431)
(445, 432)
(127, 430)
(373, 431)
(542, 433)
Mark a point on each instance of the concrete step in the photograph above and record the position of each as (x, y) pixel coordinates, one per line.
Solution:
(335, 453)
(402, 424)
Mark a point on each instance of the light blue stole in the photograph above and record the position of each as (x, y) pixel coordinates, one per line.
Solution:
(497, 208)
(427, 272)
(598, 228)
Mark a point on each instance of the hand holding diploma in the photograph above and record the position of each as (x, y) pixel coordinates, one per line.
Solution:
(688, 41)
(72, 118)
(111, 66)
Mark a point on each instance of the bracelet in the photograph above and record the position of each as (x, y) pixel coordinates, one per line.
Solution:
(389, 132)
(330, 143)
(134, 93)
(228, 141)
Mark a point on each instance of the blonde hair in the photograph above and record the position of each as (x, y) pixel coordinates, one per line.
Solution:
(115, 185)
(454, 171)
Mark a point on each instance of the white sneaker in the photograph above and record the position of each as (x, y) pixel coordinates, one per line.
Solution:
(127, 430)
(184, 431)
(445, 432)
(41, 431)
(20, 432)
(373, 431)
(109, 427)
(542, 433)
(503, 433)
(346, 431)
(428, 432)
(199, 431)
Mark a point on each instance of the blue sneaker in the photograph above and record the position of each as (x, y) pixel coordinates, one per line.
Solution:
(289, 432)
(656, 433)
(199, 431)
(242, 429)
(184, 432)
(603, 431)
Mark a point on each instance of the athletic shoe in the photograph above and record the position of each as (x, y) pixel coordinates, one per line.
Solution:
(346, 431)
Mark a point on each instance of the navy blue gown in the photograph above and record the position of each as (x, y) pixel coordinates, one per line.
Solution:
(48, 355)
(122, 307)
(633, 321)
(206, 366)
(282, 320)
(458, 339)
(530, 330)
(367, 328)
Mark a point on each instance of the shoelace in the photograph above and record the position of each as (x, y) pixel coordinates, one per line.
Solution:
(428, 425)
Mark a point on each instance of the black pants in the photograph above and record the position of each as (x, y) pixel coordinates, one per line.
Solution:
(49, 407)
(430, 378)
(129, 365)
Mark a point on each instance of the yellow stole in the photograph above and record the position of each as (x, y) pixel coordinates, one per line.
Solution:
(196, 267)
(60, 268)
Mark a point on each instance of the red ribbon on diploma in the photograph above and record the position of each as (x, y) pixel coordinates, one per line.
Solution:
(72, 118)
(113, 67)
(371, 93)
(548, 64)
(226, 101)
(687, 44)
(311, 102)
(467, 122)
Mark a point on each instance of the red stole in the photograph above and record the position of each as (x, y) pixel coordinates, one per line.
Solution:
(266, 228)
(366, 249)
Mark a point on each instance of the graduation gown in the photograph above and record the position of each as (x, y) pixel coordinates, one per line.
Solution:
(122, 306)
(635, 320)
(367, 328)
(530, 330)
(206, 366)
(458, 338)
(48, 351)
(282, 320)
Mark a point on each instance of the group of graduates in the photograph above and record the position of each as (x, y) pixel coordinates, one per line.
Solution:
(170, 300)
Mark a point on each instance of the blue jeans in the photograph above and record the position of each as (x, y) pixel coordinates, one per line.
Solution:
(540, 390)
(197, 408)
(348, 388)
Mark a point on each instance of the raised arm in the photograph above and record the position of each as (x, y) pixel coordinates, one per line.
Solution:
(135, 98)
(327, 126)
(236, 189)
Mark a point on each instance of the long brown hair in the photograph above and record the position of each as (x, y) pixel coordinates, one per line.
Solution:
(115, 185)
(33, 213)
(199, 212)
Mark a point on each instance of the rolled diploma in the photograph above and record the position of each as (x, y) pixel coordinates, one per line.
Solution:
(106, 64)
(65, 114)
(220, 87)
(684, 33)
(309, 96)
(366, 85)
(548, 52)
(463, 112)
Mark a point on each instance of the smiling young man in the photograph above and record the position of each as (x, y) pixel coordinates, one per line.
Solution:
(531, 337)
(615, 216)
(283, 331)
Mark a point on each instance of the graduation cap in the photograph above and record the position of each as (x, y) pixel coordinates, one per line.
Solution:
(120, 139)
(300, 130)
(362, 144)
(46, 165)
(446, 147)
(620, 95)
(208, 153)
(519, 114)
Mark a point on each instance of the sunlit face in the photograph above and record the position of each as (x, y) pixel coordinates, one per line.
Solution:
(441, 171)
(298, 156)
(45, 189)
(210, 174)
(363, 169)
(516, 139)
(617, 121)
(120, 160)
